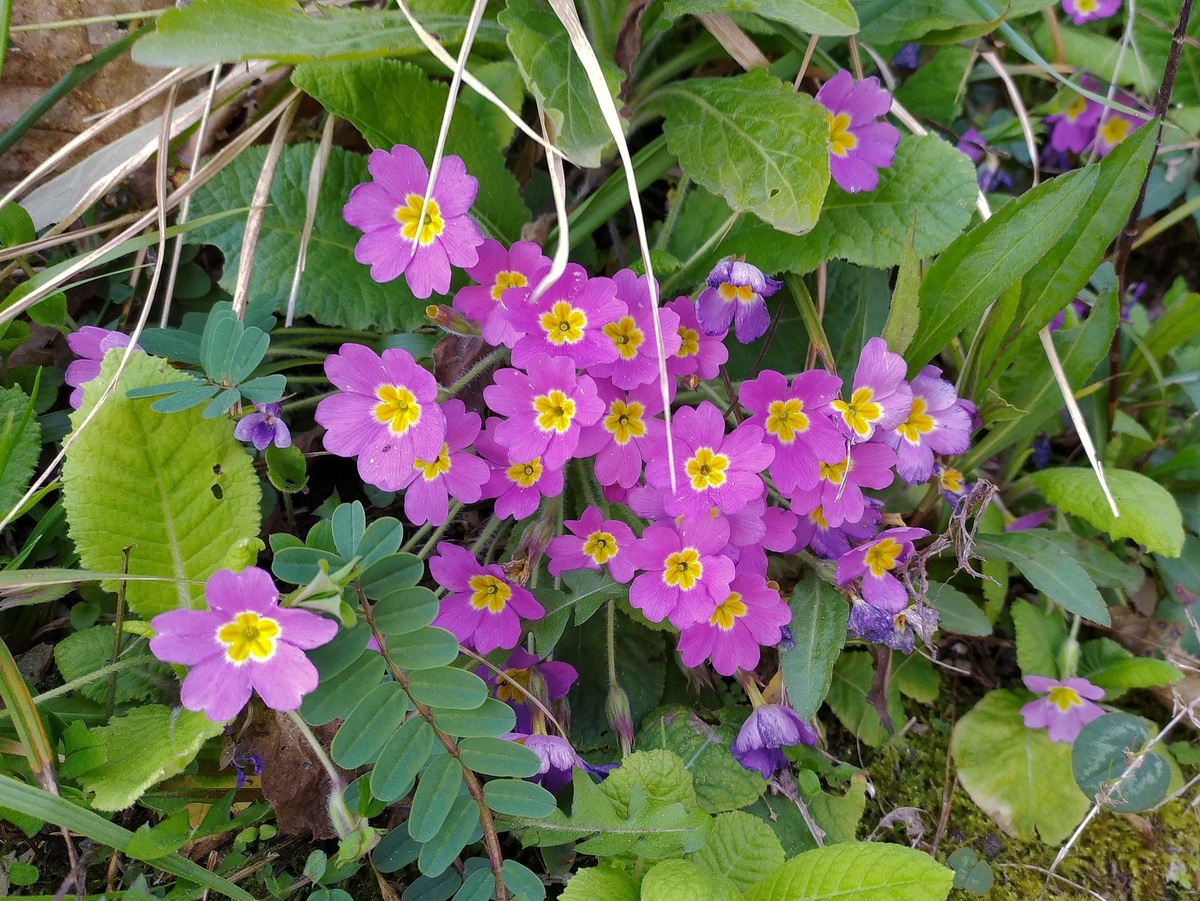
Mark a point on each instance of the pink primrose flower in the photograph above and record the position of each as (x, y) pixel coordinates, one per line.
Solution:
(1082, 11)
(875, 561)
(735, 294)
(453, 472)
(386, 414)
(594, 542)
(1074, 128)
(517, 485)
(632, 335)
(712, 469)
(243, 642)
(626, 434)
(936, 424)
(859, 145)
(699, 354)
(501, 275)
(545, 409)
(749, 618)
(880, 398)
(797, 424)
(839, 491)
(1067, 707)
(483, 609)
(90, 344)
(685, 576)
(568, 320)
(386, 210)
(814, 531)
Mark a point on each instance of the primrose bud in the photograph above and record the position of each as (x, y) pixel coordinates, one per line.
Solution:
(450, 320)
(620, 718)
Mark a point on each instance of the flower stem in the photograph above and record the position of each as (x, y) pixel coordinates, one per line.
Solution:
(474, 372)
(438, 533)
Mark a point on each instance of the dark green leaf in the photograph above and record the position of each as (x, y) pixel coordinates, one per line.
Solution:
(1104, 752)
(819, 617)
(441, 849)
(448, 687)
(516, 798)
(336, 696)
(391, 574)
(1049, 569)
(498, 757)
(824, 17)
(405, 610)
(437, 789)
(400, 761)
(423, 649)
(287, 469)
(362, 737)
(492, 718)
(958, 612)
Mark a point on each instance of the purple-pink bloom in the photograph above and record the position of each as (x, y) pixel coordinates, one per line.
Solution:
(875, 562)
(557, 677)
(937, 423)
(483, 609)
(988, 174)
(632, 335)
(1075, 127)
(90, 344)
(517, 485)
(454, 472)
(1115, 126)
(386, 210)
(951, 483)
(685, 576)
(1082, 11)
(767, 731)
(839, 492)
(1067, 707)
(896, 630)
(712, 469)
(385, 414)
(263, 427)
(814, 531)
(749, 618)
(735, 293)
(880, 398)
(797, 424)
(243, 642)
(626, 434)
(699, 354)
(545, 409)
(567, 320)
(594, 543)
(501, 274)
(859, 145)
(558, 758)
(1029, 520)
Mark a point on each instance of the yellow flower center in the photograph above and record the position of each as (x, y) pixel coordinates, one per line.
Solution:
(489, 592)
(505, 689)
(729, 292)
(817, 517)
(564, 324)
(841, 138)
(1064, 698)
(525, 474)
(408, 215)
(882, 556)
(600, 546)
(507, 279)
(728, 613)
(785, 419)
(952, 480)
(918, 423)
(555, 411)
(1114, 130)
(625, 334)
(249, 636)
(624, 420)
(397, 407)
(438, 466)
(834, 472)
(1078, 105)
(689, 342)
(1086, 6)
(707, 469)
(683, 569)
(861, 413)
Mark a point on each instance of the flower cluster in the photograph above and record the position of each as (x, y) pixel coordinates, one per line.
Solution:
(1088, 126)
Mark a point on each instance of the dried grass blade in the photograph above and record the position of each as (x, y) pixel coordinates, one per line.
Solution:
(315, 178)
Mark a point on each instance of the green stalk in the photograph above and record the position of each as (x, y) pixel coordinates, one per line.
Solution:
(5, 25)
(30, 730)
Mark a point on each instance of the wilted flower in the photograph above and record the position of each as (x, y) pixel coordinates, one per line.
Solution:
(859, 144)
(1066, 708)
(243, 642)
(1082, 11)
(735, 295)
(874, 561)
(90, 344)
(770, 728)
(263, 427)
(558, 758)
(896, 630)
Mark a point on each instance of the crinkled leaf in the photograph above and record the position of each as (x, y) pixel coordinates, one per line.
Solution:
(85, 652)
(178, 488)
(661, 775)
(600, 882)
(864, 872)
(683, 880)
(741, 848)
(1049, 569)
(819, 617)
(824, 17)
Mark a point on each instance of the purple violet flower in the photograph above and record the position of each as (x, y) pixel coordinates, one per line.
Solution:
(951, 483)
(814, 531)
(896, 630)
(263, 427)
(556, 676)
(1067, 707)
(1115, 126)
(988, 174)
(859, 145)
(243, 642)
(1082, 11)
(880, 397)
(875, 561)
(386, 210)
(735, 293)
(501, 274)
(749, 618)
(767, 731)
(594, 543)
(558, 758)
(699, 354)
(483, 609)
(90, 344)
(1075, 126)
(936, 424)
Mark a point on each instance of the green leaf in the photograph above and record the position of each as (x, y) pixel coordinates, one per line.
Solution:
(287, 468)
(349, 521)
(683, 880)
(944, 21)
(555, 76)
(741, 848)
(916, 678)
(518, 799)
(1149, 514)
(981, 264)
(401, 759)
(406, 610)
(335, 289)
(937, 89)
(863, 872)
(498, 757)
(661, 775)
(1049, 569)
(441, 849)
(600, 882)
(212, 31)
(522, 881)
(84, 652)
(1103, 753)
(352, 89)
(819, 617)
(436, 791)
(1017, 776)
(142, 748)
(390, 574)
(370, 727)
(1107, 665)
(848, 699)
(336, 696)
(16, 225)
(829, 18)
(1101, 564)
(423, 649)
(720, 782)
(178, 488)
(447, 687)
(754, 141)
(929, 179)
(492, 718)
(839, 815)
(905, 311)
(1040, 636)
(958, 613)
(20, 444)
